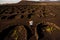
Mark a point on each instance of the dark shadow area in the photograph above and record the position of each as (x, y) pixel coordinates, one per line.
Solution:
(17, 11)
(33, 11)
(29, 15)
(22, 11)
(22, 16)
(12, 12)
(1, 12)
(6, 31)
(40, 31)
(29, 32)
(3, 17)
(11, 17)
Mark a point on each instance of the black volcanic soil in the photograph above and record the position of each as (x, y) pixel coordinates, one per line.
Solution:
(15, 18)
